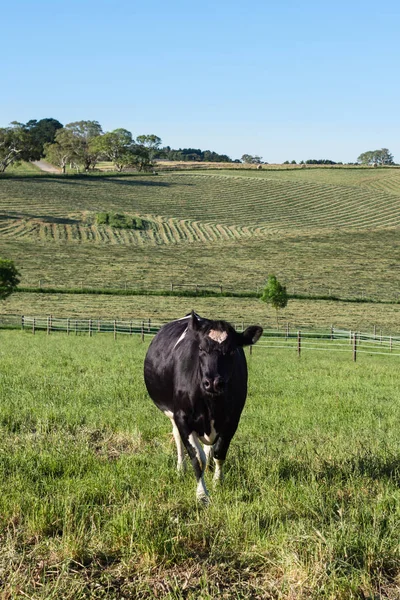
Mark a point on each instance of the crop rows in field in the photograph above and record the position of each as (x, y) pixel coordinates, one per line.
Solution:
(163, 231)
(228, 201)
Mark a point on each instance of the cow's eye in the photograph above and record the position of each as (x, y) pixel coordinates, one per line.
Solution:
(202, 351)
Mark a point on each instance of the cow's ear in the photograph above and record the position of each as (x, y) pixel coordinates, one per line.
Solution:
(194, 324)
(250, 336)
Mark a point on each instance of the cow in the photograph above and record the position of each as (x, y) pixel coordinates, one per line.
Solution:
(195, 372)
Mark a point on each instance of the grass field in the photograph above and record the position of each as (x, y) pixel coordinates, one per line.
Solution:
(331, 231)
(91, 507)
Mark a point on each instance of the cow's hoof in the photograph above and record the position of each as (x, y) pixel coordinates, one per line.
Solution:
(203, 500)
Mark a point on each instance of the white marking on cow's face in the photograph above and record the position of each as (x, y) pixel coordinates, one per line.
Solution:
(181, 338)
(210, 438)
(217, 336)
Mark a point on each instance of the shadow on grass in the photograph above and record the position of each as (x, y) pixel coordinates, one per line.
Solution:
(138, 179)
(44, 218)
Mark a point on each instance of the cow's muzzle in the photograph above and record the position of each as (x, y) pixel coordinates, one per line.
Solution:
(214, 386)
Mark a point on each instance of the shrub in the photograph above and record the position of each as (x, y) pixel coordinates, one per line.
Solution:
(102, 218)
(120, 221)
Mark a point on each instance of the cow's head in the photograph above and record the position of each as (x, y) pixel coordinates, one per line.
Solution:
(218, 343)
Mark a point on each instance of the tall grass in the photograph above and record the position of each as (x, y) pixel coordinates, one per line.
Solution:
(91, 506)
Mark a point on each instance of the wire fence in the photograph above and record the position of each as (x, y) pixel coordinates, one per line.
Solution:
(324, 340)
(353, 293)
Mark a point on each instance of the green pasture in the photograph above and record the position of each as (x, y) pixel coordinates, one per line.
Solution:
(321, 231)
(91, 506)
(300, 314)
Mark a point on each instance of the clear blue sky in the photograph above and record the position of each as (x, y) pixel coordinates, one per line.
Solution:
(288, 80)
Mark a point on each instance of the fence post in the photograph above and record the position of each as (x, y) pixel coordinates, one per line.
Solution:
(115, 329)
(332, 332)
(354, 346)
(287, 330)
(142, 332)
(48, 325)
(299, 343)
(98, 326)
(22, 322)
(33, 325)
(374, 331)
(76, 326)
(68, 326)
(390, 344)
(90, 327)
(149, 325)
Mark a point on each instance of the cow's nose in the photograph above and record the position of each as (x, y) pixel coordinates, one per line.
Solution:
(218, 384)
(213, 385)
(207, 384)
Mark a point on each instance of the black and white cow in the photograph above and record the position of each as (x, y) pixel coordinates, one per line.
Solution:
(195, 372)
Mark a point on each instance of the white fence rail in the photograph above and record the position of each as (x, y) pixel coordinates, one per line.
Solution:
(324, 340)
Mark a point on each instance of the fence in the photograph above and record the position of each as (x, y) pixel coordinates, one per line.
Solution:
(324, 340)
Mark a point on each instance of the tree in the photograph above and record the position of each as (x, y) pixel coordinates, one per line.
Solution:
(118, 146)
(378, 157)
(40, 133)
(275, 294)
(251, 160)
(145, 150)
(84, 132)
(14, 145)
(9, 278)
(320, 161)
(62, 150)
(150, 142)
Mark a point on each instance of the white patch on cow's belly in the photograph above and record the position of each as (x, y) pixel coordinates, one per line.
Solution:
(210, 438)
(217, 336)
(169, 414)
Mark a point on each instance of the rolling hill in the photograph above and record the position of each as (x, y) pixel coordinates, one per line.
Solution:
(320, 230)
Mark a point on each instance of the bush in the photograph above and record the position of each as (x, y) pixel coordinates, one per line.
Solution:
(102, 218)
(120, 221)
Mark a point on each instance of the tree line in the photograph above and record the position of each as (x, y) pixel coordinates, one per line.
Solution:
(82, 144)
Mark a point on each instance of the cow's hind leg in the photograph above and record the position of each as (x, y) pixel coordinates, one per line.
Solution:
(209, 452)
(181, 465)
(221, 448)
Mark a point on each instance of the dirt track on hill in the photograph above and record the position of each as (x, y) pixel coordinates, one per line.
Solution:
(45, 166)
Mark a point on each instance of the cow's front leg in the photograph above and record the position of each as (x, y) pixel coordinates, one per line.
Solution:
(197, 457)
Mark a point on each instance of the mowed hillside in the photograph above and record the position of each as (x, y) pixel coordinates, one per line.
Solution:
(320, 230)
